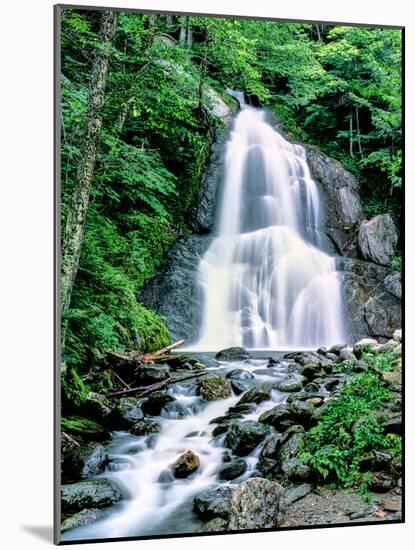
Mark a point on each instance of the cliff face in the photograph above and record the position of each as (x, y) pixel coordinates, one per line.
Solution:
(371, 291)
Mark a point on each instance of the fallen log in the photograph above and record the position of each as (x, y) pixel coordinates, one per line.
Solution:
(145, 390)
(168, 348)
(118, 377)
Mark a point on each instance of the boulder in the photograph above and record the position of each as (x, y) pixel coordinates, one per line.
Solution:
(82, 518)
(84, 427)
(293, 383)
(239, 374)
(153, 405)
(97, 406)
(364, 345)
(378, 239)
(125, 414)
(215, 525)
(214, 387)
(85, 461)
(233, 354)
(256, 503)
(295, 470)
(397, 335)
(295, 493)
(213, 503)
(243, 437)
(145, 427)
(278, 417)
(256, 395)
(302, 411)
(150, 374)
(346, 354)
(393, 284)
(95, 493)
(291, 443)
(233, 469)
(239, 387)
(185, 465)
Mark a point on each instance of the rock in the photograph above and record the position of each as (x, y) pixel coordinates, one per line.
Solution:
(125, 414)
(312, 387)
(267, 465)
(97, 406)
(145, 427)
(214, 387)
(243, 437)
(153, 405)
(397, 335)
(233, 354)
(332, 356)
(166, 476)
(256, 395)
(213, 503)
(378, 239)
(393, 425)
(277, 417)
(215, 525)
(312, 370)
(293, 383)
(233, 469)
(175, 293)
(295, 493)
(85, 461)
(302, 411)
(271, 445)
(84, 517)
(393, 285)
(363, 346)
(95, 493)
(239, 387)
(346, 354)
(185, 465)
(336, 349)
(239, 374)
(340, 195)
(150, 374)
(296, 470)
(381, 319)
(177, 410)
(84, 427)
(392, 506)
(256, 504)
(381, 482)
(291, 443)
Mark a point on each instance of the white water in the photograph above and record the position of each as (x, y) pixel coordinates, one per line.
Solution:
(266, 282)
(151, 507)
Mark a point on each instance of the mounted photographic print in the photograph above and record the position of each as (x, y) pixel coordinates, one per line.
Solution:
(229, 197)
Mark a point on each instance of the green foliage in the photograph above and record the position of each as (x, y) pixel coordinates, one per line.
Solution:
(73, 387)
(349, 430)
(396, 263)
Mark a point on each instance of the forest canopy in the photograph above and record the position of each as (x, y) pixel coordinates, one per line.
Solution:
(336, 87)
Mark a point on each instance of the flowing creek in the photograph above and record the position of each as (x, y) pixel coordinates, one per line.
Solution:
(153, 501)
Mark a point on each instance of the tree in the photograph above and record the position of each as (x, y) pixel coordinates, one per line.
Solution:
(76, 216)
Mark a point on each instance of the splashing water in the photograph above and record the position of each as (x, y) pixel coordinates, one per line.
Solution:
(266, 283)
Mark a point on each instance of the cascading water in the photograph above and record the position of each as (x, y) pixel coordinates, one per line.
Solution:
(266, 282)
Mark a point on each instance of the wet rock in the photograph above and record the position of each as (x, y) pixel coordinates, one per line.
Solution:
(378, 239)
(150, 374)
(381, 482)
(393, 425)
(96, 493)
(295, 493)
(166, 476)
(233, 354)
(145, 427)
(256, 395)
(185, 465)
(82, 518)
(215, 525)
(302, 411)
(243, 409)
(381, 318)
(291, 444)
(233, 469)
(243, 437)
(213, 503)
(312, 370)
(277, 417)
(239, 374)
(239, 387)
(336, 349)
(176, 410)
(294, 382)
(363, 346)
(393, 285)
(214, 387)
(267, 465)
(256, 504)
(271, 446)
(295, 470)
(332, 356)
(312, 387)
(222, 427)
(226, 457)
(174, 293)
(85, 461)
(346, 354)
(153, 405)
(125, 414)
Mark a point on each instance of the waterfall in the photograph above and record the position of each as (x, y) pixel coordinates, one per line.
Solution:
(265, 280)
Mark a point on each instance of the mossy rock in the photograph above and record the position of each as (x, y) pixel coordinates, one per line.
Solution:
(84, 427)
(214, 387)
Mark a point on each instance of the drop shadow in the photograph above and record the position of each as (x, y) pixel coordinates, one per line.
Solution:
(44, 533)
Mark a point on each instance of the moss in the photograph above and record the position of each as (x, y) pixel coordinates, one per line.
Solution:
(73, 387)
(84, 427)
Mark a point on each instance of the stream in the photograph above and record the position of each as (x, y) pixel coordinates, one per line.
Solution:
(154, 502)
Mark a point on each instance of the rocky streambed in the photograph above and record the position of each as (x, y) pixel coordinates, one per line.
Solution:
(224, 450)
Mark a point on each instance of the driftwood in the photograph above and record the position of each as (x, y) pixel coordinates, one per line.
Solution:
(71, 440)
(145, 390)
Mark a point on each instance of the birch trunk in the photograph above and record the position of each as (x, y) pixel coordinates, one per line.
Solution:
(75, 222)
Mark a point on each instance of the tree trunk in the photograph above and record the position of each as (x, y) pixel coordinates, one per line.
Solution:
(76, 217)
(358, 132)
(183, 32)
(189, 35)
(351, 133)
